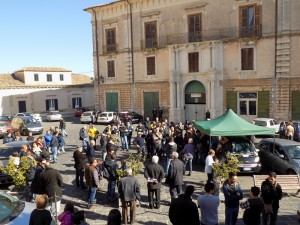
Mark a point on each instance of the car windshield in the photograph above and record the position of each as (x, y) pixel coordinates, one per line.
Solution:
(293, 151)
(29, 114)
(30, 120)
(10, 208)
(242, 147)
(86, 114)
(103, 115)
(260, 123)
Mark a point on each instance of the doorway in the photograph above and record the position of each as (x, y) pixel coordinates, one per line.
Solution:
(22, 106)
(112, 102)
(195, 101)
(151, 101)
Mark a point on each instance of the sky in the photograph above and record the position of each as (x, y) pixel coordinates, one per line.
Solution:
(46, 33)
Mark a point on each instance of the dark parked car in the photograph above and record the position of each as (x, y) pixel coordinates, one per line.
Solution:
(4, 127)
(280, 155)
(296, 130)
(7, 118)
(6, 150)
(130, 116)
(24, 124)
(249, 161)
(79, 111)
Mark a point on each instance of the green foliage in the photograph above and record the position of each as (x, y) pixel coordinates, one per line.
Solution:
(19, 173)
(222, 170)
(135, 162)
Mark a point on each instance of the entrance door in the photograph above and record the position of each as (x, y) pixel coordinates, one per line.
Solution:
(22, 106)
(194, 112)
(151, 101)
(112, 103)
(195, 101)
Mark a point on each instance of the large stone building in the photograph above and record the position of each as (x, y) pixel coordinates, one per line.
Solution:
(192, 55)
(40, 89)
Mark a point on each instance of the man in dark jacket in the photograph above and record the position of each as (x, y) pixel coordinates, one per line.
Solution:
(92, 181)
(111, 166)
(140, 143)
(129, 190)
(62, 127)
(253, 207)
(271, 193)
(36, 185)
(175, 176)
(233, 194)
(154, 173)
(79, 166)
(52, 183)
(183, 210)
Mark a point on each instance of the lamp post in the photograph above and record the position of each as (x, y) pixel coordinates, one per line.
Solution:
(100, 79)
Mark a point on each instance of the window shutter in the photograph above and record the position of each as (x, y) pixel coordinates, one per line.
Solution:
(257, 19)
(80, 102)
(73, 103)
(47, 105)
(232, 100)
(263, 104)
(250, 59)
(56, 104)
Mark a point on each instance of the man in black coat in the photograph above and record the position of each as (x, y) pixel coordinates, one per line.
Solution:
(183, 210)
(80, 164)
(271, 192)
(175, 175)
(36, 187)
(52, 183)
(154, 173)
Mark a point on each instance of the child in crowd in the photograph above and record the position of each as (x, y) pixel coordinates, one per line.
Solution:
(66, 218)
(79, 218)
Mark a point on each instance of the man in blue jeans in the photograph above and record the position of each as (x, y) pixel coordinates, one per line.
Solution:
(92, 181)
(233, 194)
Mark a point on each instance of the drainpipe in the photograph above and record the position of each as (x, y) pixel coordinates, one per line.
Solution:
(132, 61)
(97, 57)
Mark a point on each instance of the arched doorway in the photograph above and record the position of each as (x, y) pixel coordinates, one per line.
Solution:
(195, 101)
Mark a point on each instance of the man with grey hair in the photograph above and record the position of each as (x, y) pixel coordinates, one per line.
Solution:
(129, 192)
(175, 175)
(154, 173)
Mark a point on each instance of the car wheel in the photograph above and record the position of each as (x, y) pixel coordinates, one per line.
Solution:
(291, 172)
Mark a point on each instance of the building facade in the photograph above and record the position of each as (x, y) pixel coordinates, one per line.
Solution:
(40, 89)
(189, 56)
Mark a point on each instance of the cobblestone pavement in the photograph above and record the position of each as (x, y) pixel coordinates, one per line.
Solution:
(98, 213)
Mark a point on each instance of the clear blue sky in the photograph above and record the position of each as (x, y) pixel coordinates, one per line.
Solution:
(46, 33)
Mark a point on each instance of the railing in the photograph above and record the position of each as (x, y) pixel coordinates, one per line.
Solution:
(205, 35)
(110, 48)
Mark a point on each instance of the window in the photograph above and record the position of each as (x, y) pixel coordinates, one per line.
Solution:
(194, 26)
(250, 21)
(111, 68)
(150, 65)
(76, 103)
(49, 77)
(110, 40)
(61, 77)
(247, 58)
(150, 34)
(36, 77)
(193, 62)
(247, 103)
(51, 104)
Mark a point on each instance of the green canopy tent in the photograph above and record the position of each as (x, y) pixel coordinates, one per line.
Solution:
(230, 124)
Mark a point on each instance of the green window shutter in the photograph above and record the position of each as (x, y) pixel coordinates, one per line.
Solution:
(232, 100)
(263, 104)
(296, 105)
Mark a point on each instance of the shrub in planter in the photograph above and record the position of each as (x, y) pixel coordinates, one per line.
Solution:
(19, 173)
(135, 162)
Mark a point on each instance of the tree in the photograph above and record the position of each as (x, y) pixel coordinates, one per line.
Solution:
(222, 170)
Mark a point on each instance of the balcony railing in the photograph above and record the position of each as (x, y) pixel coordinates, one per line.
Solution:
(110, 48)
(206, 35)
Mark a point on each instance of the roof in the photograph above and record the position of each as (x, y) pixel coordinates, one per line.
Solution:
(43, 69)
(7, 80)
(283, 142)
(81, 79)
(101, 5)
(230, 124)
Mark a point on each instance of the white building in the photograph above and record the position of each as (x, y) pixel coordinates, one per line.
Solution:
(40, 89)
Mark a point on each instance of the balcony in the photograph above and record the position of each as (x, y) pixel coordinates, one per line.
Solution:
(234, 33)
(110, 48)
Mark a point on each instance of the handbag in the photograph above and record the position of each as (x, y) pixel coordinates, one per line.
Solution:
(268, 208)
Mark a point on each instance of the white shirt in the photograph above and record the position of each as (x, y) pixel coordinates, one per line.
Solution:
(209, 161)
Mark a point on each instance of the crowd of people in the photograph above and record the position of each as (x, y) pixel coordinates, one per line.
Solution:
(177, 146)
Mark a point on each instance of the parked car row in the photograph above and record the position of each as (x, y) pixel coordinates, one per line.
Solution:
(108, 117)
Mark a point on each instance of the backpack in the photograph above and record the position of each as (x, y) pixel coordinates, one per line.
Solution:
(108, 172)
